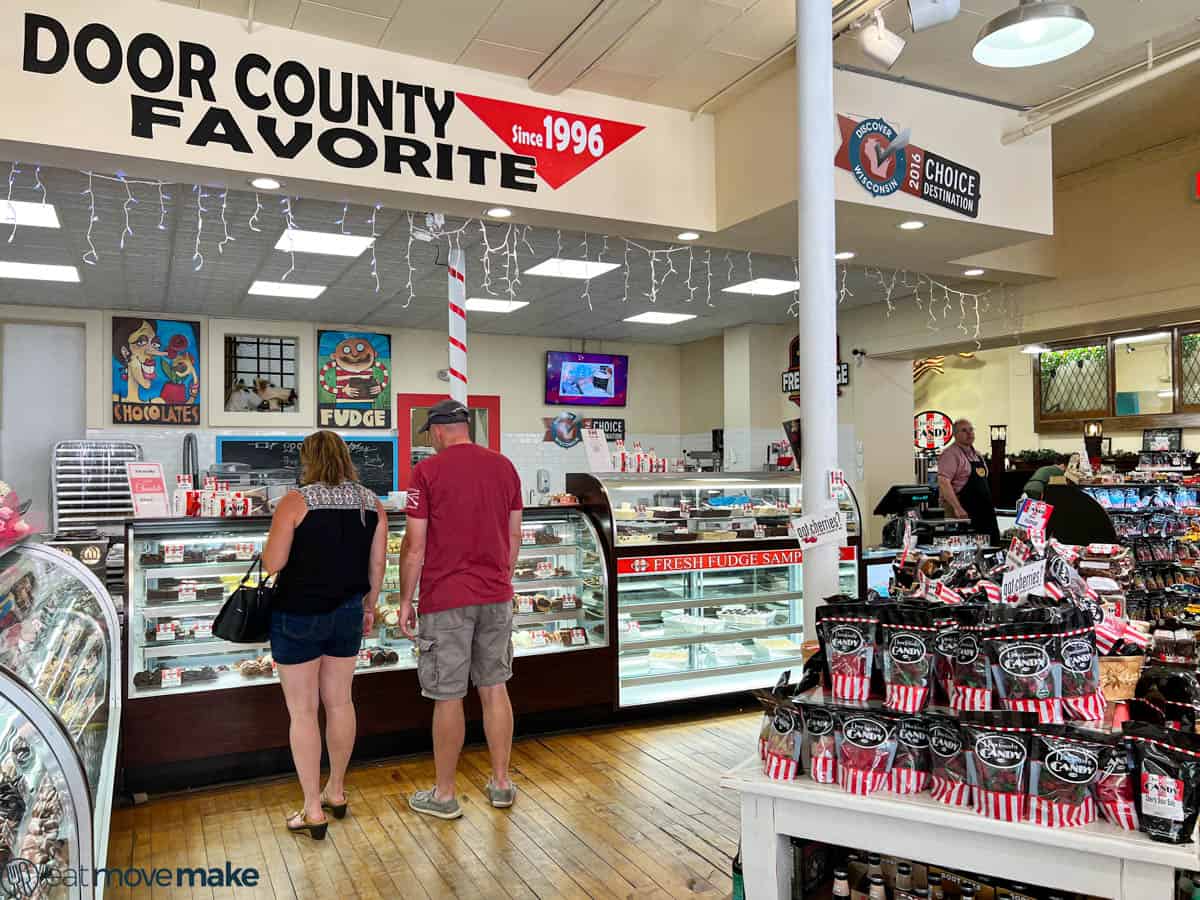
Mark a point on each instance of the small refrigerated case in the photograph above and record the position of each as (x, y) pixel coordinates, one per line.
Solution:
(60, 711)
(707, 579)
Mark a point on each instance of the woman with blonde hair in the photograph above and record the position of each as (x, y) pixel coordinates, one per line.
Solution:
(328, 543)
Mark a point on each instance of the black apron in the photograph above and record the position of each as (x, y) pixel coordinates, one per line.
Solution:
(976, 498)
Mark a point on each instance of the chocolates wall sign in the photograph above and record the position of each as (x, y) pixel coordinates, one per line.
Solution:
(155, 371)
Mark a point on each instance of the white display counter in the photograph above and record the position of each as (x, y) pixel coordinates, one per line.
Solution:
(1098, 859)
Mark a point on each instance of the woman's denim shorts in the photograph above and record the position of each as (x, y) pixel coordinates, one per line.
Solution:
(299, 638)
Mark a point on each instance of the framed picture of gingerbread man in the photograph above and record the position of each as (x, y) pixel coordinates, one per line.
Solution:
(354, 380)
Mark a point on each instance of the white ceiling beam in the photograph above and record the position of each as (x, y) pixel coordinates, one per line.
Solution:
(605, 25)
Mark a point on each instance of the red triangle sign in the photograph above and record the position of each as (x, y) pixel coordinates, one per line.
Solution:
(563, 143)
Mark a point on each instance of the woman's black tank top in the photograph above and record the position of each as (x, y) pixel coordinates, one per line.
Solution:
(330, 557)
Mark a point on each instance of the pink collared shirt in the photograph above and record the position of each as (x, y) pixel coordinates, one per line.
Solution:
(955, 464)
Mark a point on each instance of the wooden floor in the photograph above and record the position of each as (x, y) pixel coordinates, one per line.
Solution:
(623, 812)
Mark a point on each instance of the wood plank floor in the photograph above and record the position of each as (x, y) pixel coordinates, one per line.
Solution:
(620, 812)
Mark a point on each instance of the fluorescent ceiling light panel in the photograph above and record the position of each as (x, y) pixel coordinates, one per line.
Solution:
(844, 254)
(494, 305)
(1166, 393)
(28, 215)
(38, 272)
(659, 318)
(571, 268)
(973, 273)
(327, 243)
(289, 289)
(763, 287)
(1035, 349)
(911, 225)
(1140, 338)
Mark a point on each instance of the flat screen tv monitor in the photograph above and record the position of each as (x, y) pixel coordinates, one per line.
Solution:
(586, 379)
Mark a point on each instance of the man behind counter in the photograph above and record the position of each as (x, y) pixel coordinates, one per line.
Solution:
(963, 483)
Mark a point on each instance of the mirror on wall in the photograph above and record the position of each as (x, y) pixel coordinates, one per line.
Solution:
(421, 443)
(1144, 374)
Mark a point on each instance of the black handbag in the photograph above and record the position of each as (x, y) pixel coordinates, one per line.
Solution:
(246, 616)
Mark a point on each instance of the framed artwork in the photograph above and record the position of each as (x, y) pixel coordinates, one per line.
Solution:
(156, 371)
(262, 372)
(354, 380)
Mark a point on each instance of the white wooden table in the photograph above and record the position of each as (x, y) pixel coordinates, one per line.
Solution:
(1099, 859)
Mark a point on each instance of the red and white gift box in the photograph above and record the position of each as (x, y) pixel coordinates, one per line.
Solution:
(1000, 805)
(951, 793)
(1055, 814)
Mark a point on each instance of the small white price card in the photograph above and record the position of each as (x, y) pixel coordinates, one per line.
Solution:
(274, 669)
(578, 636)
(570, 601)
(164, 632)
(203, 630)
(172, 552)
(172, 677)
(243, 550)
(537, 638)
(187, 592)
(524, 605)
(760, 531)
(364, 657)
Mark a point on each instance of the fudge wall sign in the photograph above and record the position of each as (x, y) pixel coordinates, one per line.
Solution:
(883, 161)
(272, 107)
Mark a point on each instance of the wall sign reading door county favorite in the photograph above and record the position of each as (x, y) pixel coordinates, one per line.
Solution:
(354, 380)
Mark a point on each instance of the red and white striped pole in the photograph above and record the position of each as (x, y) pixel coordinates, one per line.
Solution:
(457, 335)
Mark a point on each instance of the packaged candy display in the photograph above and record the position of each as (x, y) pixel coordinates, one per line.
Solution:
(1114, 783)
(866, 745)
(912, 763)
(1172, 692)
(784, 742)
(1027, 668)
(820, 741)
(949, 778)
(972, 682)
(907, 639)
(997, 749)
(1167, 786)
(1062, 778)
(848, 636)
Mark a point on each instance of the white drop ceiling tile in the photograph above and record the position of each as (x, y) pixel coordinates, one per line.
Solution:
(535, 24)
(667, 36)
(759, 32)
(500, 59)
(619, 84)
(384, 9)
(699, 77)
(339, 24)
(267, 12)
(439, 30)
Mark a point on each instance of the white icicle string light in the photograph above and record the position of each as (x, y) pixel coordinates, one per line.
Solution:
(625, 296)
(691, 288)
(90, 193)
(227, 237)
(162, 207)
(198, 257)
(37, 183)
(587, 284)
(794, 309)
(411, 268)
(374, 242)
(130, 201)
(290, 225)
(258, 208)
(13, 172)
(342, 221)
(729, 274)
(843, 290)
(708, 269)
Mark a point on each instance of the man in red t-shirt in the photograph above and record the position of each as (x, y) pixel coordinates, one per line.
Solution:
(461, 540)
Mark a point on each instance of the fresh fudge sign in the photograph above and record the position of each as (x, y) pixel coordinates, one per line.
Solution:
(698, 562)
(269, 107)
(883, 161)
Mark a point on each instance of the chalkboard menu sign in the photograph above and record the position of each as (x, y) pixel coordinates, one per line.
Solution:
(375, 457)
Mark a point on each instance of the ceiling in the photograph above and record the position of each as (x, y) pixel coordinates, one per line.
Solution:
(682, 52)
(156, 271)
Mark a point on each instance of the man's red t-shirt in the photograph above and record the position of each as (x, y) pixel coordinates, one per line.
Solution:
(466, 492)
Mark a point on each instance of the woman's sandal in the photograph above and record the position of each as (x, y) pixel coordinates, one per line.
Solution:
(338, 809)
(315, 830)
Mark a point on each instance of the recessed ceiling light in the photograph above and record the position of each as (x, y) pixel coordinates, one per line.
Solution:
(499, 212)
(659, 318)
(1139, 338)
(688, 236)
(290, 289)
(1035, 32)
(38, 272)
(329, 243)
(911, 225)
(972, 273)
(493, 305)
(1035, 349)
(263, 183)
(844, 254)
(571, 268)
(28, 215)
(1166, 393)
(763, 287)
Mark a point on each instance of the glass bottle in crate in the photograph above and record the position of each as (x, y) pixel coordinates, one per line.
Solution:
(841, 883)
(878, 888)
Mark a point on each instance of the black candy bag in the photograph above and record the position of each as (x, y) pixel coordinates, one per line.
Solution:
(972, 672)
(949, 780)
(820, 740)
(907, 638)
(998, 747)
(1172, 690)
(1027, 668)
(945, 647)
(1064, 770)
(848, 634)
(1114, 784)
(912, 763)
(768, 701)
(784, 741)
(1167, 783)
(1082, 695)
(866, 745)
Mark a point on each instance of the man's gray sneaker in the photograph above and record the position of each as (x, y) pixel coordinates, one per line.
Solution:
(501, 798)
(426, 802)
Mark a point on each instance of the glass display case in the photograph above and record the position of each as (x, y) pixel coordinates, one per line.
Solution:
(60, 709)
(182, 570)
(709, 597)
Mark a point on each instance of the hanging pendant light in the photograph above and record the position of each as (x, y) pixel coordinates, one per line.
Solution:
(1033, 33)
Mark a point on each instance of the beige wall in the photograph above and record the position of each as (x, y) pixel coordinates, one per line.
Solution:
(702, 386)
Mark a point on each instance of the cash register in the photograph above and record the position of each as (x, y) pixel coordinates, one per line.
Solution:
(915, 502)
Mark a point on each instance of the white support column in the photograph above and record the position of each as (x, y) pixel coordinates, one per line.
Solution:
(818, 307)
(457, 334)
